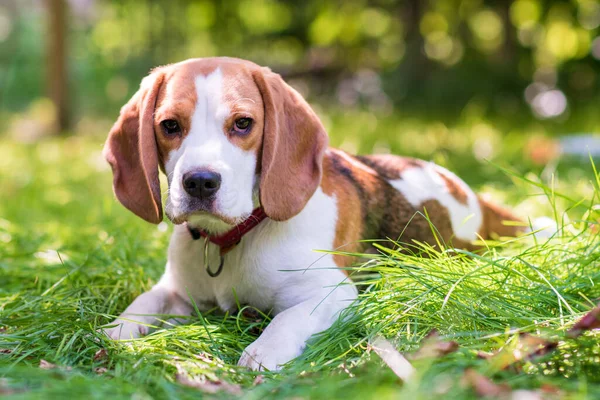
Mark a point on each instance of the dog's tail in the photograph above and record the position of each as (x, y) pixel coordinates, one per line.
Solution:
(499, 221)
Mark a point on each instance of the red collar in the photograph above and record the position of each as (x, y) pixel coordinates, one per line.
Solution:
(230, 239)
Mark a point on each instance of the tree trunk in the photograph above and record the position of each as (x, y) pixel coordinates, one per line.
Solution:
(57, 75)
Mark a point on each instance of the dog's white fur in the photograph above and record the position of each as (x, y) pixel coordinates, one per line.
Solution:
(273, 268)
(207, 147)
(420, 184)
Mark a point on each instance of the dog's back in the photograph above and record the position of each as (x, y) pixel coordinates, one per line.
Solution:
(409, 200)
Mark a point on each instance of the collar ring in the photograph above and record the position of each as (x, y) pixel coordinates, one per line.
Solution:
(206, 263)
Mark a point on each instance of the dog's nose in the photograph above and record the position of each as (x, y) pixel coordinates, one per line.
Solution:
(201, 184)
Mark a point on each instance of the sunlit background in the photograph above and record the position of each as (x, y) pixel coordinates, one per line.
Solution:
(461, 82)
(537, 59)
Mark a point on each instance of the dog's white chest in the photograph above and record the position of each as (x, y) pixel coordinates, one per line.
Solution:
(239, 282)
(270, 269)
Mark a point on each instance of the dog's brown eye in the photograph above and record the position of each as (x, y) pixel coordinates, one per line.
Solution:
(243, 125)
(171, 127)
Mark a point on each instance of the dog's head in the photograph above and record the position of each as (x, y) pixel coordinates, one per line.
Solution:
(229, 135)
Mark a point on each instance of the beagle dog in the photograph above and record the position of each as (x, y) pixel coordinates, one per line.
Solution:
(254, 189)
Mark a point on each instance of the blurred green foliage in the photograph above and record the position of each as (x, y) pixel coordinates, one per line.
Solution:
(423, 57)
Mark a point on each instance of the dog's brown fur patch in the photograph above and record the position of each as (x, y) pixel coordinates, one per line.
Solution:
(369, 207)
(454, 188)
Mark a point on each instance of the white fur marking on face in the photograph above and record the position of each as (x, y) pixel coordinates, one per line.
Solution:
(420, 184)
(207, 146)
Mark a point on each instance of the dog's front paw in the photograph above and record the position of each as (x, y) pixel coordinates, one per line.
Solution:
(126, 330)
(264, 355)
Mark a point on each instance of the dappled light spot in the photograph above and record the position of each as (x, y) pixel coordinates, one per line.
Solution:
(549, 104)
(391, 50)
(162, 227)
(51, 257)
(589, 14)
(488, 29)
(5, 237)
(529, 36)
(483, 149)
(433, 22)
(439, 46)
(562, 40)
(264, 16)
(486, 142)
(375, 22)
(525, 13)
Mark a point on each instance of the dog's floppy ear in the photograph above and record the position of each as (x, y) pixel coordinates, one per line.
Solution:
(132, 153)
(294, 141)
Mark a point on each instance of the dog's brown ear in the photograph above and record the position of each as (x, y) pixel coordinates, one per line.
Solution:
(294, 142)
(132, 153)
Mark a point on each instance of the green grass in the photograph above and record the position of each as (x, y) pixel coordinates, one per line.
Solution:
(71, 258)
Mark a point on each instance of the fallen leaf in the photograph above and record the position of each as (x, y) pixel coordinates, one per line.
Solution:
(526, 348)
(258, 380)
(254, 316)
(5, 391)
(204, 357)
(100, 355)
(5, 351)
(535, 346)
(434, 347)
(345, 368)
(482, 385)
(251, 313)
(208, 386)
(46, 365)
(100, 370)
(392, 357)
(589, 321)
(547, 388)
